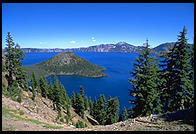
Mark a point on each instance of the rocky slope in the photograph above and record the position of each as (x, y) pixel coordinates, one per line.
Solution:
(26, 117)
(66, 64)
(35, 115)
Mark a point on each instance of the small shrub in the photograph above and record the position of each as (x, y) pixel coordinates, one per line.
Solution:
(4, 88)
(85, 125)
(67, 119)
(58, 116)
(77, 125)
(61, 120)
(21, 112)
(51, 126)
(19, 99)
(80, 124)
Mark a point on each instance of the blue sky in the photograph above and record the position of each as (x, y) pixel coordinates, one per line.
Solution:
(73, 25)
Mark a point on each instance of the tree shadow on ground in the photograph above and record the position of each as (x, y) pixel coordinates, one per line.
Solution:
(184, 116)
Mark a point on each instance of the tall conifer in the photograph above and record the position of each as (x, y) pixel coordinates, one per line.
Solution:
(34, 85)
(145, 84)
(101, 116)
(112, 110)
(43, 87)
(180, 83)
(124, 115)
(80, 105)
(82, 92)
(13, 65)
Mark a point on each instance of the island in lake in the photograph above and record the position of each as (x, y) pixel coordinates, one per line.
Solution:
(66, 63)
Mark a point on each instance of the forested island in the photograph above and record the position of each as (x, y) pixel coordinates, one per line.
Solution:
(66, 63)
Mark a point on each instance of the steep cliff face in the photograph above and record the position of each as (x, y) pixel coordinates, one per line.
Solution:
(66, 63)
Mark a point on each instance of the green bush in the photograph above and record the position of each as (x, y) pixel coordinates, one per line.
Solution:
(61, 120)
(67, 119)
(21, 112)
(77, 125)
(80, 124)
(3, 88)
(19, 99)
(58, 116)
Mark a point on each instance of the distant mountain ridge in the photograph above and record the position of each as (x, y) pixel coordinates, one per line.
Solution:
(163, 47)
(119, 47)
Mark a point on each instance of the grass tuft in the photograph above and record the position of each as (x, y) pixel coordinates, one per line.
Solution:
(8, 112)
(51, 126)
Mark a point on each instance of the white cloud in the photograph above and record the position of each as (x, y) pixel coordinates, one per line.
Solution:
(72, 42)
(44, 42)
(93, 39)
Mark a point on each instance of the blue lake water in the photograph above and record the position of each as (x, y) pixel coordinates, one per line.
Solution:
(118, 67)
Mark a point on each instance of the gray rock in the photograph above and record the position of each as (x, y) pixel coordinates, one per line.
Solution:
(26, 125)
(17, 107)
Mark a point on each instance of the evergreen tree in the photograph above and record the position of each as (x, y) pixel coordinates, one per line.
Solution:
(145, 84)
(190, 77)
(34, 85)
(95, 108)
(10, 62)
(20, 73)
(91, 106)
(182, 90)
(15, 92)
(73, 100)
(50, 91)
(62, 95)
(13, 57)
(82, 91)
(192, 63)
(34, 81)
(112, 111)
(59, 96)
(166, 76)
(68, 116)
(43, 87)
(64, 99)
(86, 103)
(80, 124)
(56, 94)
(101, 115)
(124, 115)
(80, 105)
(16, 75)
